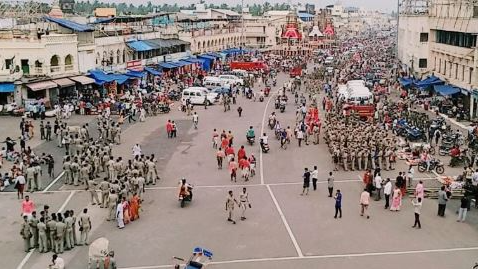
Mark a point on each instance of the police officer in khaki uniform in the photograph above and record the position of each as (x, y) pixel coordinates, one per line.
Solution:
(67, 169)
(42, 236)
(26, 234)
(34, 228)
(75, 171)
(69, 240)
(85, 226)
(51, 224)
(230, 202)
(31, 178)
(91, 188)
(112, 201)
(60, 234)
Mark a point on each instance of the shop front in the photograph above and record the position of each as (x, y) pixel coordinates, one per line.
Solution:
(42, 91)
(7, 93)
(67, 91)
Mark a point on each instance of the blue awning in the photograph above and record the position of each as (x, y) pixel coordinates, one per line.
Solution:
(139, 45)
(446, 90)
(167, 65)
(77, 27)
(405, 81)
(102, 77)
(136, 74)
(209, 57)
(430, 81)
(305, 15)
(7, 87)
(182, 63)
(214, 54)
(194, 60)
(153, 71)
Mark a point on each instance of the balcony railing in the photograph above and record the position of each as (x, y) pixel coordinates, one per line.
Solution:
(38, 70)
(69, 67)
(55, 69)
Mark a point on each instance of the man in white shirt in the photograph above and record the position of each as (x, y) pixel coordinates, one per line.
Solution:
(378, 186)
(315, 176)
(387, 190)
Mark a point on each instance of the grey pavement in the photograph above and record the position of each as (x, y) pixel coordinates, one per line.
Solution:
(283, 229)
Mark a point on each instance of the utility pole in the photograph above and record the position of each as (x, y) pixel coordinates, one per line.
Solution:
(243, 43)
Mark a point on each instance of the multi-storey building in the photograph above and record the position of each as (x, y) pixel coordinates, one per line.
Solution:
(440, 37)
(413, 38)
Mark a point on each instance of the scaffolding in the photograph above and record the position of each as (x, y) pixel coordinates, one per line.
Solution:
(414, 7)
(21, 12)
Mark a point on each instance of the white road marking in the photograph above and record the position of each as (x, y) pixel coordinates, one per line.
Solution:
(284, 220)
(62, 207)
(27, 257)
(261, 168)
(53, 182)
(331, 256)
(210, 186)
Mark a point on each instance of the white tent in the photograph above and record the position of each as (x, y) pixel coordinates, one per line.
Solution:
(316, 32)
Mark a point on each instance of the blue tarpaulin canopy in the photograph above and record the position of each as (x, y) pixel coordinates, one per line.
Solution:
(194, 60)
(138, 45)
(7, 87)
(167, 65)
(405, 81)
(77, 27)
(214, 54)
(181, 63)
(153, 71)
(446, 90)
(430, 81)
(102, 77)
(136, 74)
(206, 56)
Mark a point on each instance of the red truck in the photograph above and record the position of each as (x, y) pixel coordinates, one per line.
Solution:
(363, 111)
(248, 66)
(295, 72)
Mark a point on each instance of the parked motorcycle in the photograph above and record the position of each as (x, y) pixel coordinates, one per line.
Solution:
(462, 159)
(435, 164)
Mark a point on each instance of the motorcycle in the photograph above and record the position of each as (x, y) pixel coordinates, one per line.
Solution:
(462, 159)
(272, 123)
(414, 134)
(282, 108)
(265, 147)
(445, 149)
(251, 140)
(435, 164)
(261, 98)
(274, 83)
(186, 198)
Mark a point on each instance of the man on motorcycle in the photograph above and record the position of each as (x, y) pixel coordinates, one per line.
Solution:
(250, 133)
(264, 141)
(455, 154)
(184, 189)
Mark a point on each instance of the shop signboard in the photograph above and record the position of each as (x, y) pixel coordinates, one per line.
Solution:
(135, 65)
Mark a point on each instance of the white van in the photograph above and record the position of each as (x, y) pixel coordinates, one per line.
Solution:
(231, 79)
(197, 95)
(359, 95)
(239, 73)
(353, 83)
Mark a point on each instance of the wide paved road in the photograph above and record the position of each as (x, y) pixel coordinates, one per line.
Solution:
(283, 230)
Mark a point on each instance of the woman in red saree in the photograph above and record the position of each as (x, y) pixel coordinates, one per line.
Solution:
(134, 205)
(126, 210)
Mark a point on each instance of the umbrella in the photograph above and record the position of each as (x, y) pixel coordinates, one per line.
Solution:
(99, 248)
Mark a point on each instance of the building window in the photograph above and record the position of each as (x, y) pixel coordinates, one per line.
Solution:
(470, 75)
(423, 37)
(8, 63)
(422, 63)
(475, 12)
(464, 40)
